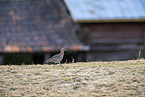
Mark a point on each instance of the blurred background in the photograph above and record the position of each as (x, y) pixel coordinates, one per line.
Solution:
(31, 31)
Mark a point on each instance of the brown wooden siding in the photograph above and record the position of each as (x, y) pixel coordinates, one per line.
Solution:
(120, 40)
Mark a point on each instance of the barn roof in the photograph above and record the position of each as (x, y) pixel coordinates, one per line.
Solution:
(36, 26)
(106, 10)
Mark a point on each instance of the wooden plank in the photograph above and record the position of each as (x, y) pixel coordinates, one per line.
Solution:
(115, 35)
(93, 56)
(116, 29)
(116, 48)
(119, 27)
(95, 41)
(144, 43)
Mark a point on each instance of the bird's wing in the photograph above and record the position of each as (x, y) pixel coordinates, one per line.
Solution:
(54, 58)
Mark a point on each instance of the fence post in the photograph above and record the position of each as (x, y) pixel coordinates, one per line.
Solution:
(1, 59)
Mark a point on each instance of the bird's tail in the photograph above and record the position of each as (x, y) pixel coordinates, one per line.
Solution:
(46, 62)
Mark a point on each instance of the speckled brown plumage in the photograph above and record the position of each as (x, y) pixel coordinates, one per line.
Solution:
(56, 58)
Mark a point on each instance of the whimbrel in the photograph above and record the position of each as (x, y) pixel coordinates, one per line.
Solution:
(56, 58)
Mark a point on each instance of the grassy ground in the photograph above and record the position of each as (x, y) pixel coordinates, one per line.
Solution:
(117, 78)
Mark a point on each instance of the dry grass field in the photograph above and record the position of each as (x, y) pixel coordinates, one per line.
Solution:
(86, 79)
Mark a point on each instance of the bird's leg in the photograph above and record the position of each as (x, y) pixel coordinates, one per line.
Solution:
(53, 65)
(61, 65)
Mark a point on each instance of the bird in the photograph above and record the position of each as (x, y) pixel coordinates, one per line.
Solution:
(56, 58)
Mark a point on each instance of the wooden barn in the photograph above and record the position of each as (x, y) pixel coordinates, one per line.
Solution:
(114, 29)
(33, 30)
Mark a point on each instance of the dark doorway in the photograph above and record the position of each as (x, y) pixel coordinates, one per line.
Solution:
(70, 57)
(23, 58)
(38, 59)
(17, 59)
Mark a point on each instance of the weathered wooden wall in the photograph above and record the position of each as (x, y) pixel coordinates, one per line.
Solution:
(113, 41)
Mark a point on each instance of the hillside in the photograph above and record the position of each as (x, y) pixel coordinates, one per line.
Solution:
(116, 78)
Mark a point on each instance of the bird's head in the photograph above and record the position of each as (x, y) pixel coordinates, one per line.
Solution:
(63, 49)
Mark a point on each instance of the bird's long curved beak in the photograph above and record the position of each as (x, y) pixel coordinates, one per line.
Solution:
(68, 50)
